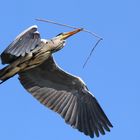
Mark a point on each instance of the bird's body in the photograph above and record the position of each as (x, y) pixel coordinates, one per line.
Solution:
(33, 52)
(30, 57)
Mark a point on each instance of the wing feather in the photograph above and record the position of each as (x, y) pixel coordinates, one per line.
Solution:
(65, 109)
(69, 111)
(74, 115)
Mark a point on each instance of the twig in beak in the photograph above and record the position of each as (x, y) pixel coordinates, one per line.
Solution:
(60, 24)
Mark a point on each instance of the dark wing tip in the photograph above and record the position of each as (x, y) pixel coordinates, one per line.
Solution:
(93, 121)
(102, 114)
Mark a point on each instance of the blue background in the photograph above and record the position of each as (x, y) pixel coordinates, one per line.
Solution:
(112, 73)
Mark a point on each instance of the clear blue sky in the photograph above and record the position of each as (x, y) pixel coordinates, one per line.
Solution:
(112, 74)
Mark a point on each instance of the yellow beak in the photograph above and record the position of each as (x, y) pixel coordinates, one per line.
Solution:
(68, 34)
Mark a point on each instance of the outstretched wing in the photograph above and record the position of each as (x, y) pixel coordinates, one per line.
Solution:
(23, 43)
(66, 95)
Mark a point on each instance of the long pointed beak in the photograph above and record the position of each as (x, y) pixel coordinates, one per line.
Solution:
(68, 34)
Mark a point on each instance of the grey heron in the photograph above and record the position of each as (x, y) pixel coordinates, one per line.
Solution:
(31, 58)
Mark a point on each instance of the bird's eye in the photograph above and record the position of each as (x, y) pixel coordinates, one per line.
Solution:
(60, 34)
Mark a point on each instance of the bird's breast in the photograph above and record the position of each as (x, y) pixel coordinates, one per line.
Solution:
(37, 58)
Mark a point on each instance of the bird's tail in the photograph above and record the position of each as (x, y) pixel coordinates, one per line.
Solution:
(8, 72)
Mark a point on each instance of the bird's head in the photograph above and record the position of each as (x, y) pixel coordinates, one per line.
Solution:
(58, 42)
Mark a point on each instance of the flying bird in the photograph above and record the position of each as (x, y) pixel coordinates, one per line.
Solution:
(31, 58)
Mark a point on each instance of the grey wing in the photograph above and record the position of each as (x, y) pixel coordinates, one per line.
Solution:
(66, 95)
(23, 44)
